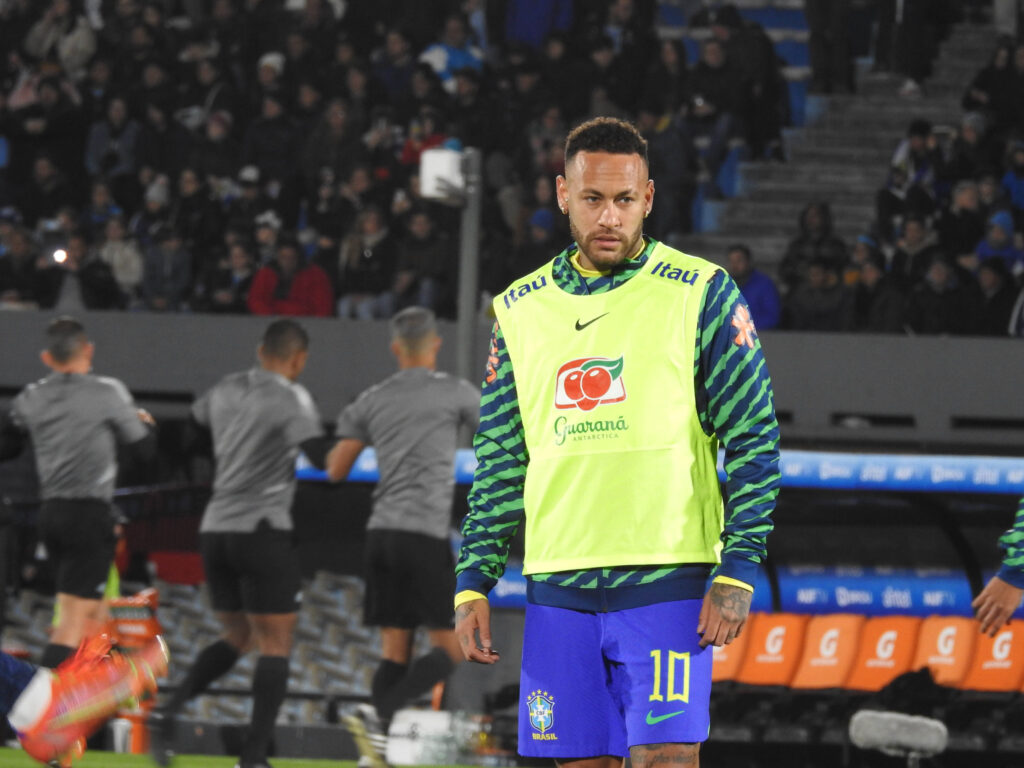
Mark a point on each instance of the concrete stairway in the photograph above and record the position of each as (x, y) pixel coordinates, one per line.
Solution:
(841, 157)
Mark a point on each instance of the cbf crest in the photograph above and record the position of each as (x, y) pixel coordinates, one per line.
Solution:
(541, 705)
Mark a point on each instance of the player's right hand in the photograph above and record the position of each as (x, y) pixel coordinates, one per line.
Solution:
(146, 417)
(470, 619)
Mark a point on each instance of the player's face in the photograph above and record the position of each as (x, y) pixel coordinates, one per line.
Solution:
(607, 197)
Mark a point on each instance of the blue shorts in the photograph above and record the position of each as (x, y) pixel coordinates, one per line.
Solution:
(599, 683)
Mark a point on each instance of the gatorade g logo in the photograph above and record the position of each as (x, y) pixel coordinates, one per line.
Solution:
(588, 382)
(947, 641)
(886, 645)
(773, 643)
(828, 644)
(1001, 647)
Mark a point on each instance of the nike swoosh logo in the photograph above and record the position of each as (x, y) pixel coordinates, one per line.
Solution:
(652, 720)
(581, 326)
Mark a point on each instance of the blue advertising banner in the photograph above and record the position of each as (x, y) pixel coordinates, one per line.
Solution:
(811, 469)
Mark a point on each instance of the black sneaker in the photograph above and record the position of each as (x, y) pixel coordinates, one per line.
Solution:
(161, 737)
(372, 742)
(246, 764)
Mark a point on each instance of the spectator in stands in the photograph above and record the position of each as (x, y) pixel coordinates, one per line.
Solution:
(121, 253)
(365, 269)
(286, 286)
(166, 271)
(453, 51)
(991, 196)
(714, 108)
(51, 124)
(763, 106)
(999, 243)
(538, 246)
(563, 73)
(48, 192)
(95, 88)
(155, 85)
(68, 280)
(393, 64)
(668, 79)
(831, 62)
(63, 34)
(1013, 181)
(960, 226)
(251, 200)
(758, 288)
(362, 190)
(110, 149)
(919, 156)
(210, 91)
(672, 164)
(541, 194)
(271, 143)
(533, 23)
(816, 240)
(196, 217)
(425, 131)
(424, 267)
(996, 297)
(879, 303)
(821, 302)
(267, 228)
(916, 43)
(972, 150)
(991, 90)
(215, 156)
(100, 210)
(154, 213)
(225, 287)
(939, 304)
(864, 247)
(914, 253)
(18, 280)
(164, 145)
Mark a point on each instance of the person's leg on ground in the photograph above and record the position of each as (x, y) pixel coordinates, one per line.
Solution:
(652, 755)
(273, 635)
(395, 652)
(78, 618)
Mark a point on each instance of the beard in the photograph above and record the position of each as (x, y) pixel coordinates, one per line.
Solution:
(603, 257)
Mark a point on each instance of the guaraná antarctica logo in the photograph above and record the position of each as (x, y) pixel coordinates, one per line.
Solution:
(541, 705)
(588, 382)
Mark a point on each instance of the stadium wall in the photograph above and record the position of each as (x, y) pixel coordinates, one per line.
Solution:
(838, 389)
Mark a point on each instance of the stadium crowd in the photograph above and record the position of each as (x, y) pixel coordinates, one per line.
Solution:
(945, 251)
(263, 156)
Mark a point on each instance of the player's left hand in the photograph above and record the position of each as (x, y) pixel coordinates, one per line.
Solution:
(723, 614)
(995, 605)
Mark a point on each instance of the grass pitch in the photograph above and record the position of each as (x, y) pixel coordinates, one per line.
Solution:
(15, 758)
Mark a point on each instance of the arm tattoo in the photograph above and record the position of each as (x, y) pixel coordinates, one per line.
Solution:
(732, 602)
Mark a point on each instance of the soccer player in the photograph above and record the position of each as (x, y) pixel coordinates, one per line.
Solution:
(996, 603)
(75, 420)
(258, 420)
(614, 372)
(54, 711)
(412, 419)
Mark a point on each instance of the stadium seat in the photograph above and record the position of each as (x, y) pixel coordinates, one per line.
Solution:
(830, 646)
(887, 647)
(945, 645)
(727, 659)
(741, 712)
(774, 648)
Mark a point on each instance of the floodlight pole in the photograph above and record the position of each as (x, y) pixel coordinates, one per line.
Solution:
(469, 254)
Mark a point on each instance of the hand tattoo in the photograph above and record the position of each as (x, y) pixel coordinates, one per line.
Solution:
(733, 603)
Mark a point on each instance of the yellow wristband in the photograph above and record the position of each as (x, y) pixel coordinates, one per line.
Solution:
(727, 580)
(467, 595)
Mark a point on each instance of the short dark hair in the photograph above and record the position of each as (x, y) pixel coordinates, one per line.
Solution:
(605, 134)
(65, 338)
(283, 338)
(413, 326)
(742, 248)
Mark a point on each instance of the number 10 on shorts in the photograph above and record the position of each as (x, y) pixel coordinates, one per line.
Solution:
(674, 671)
